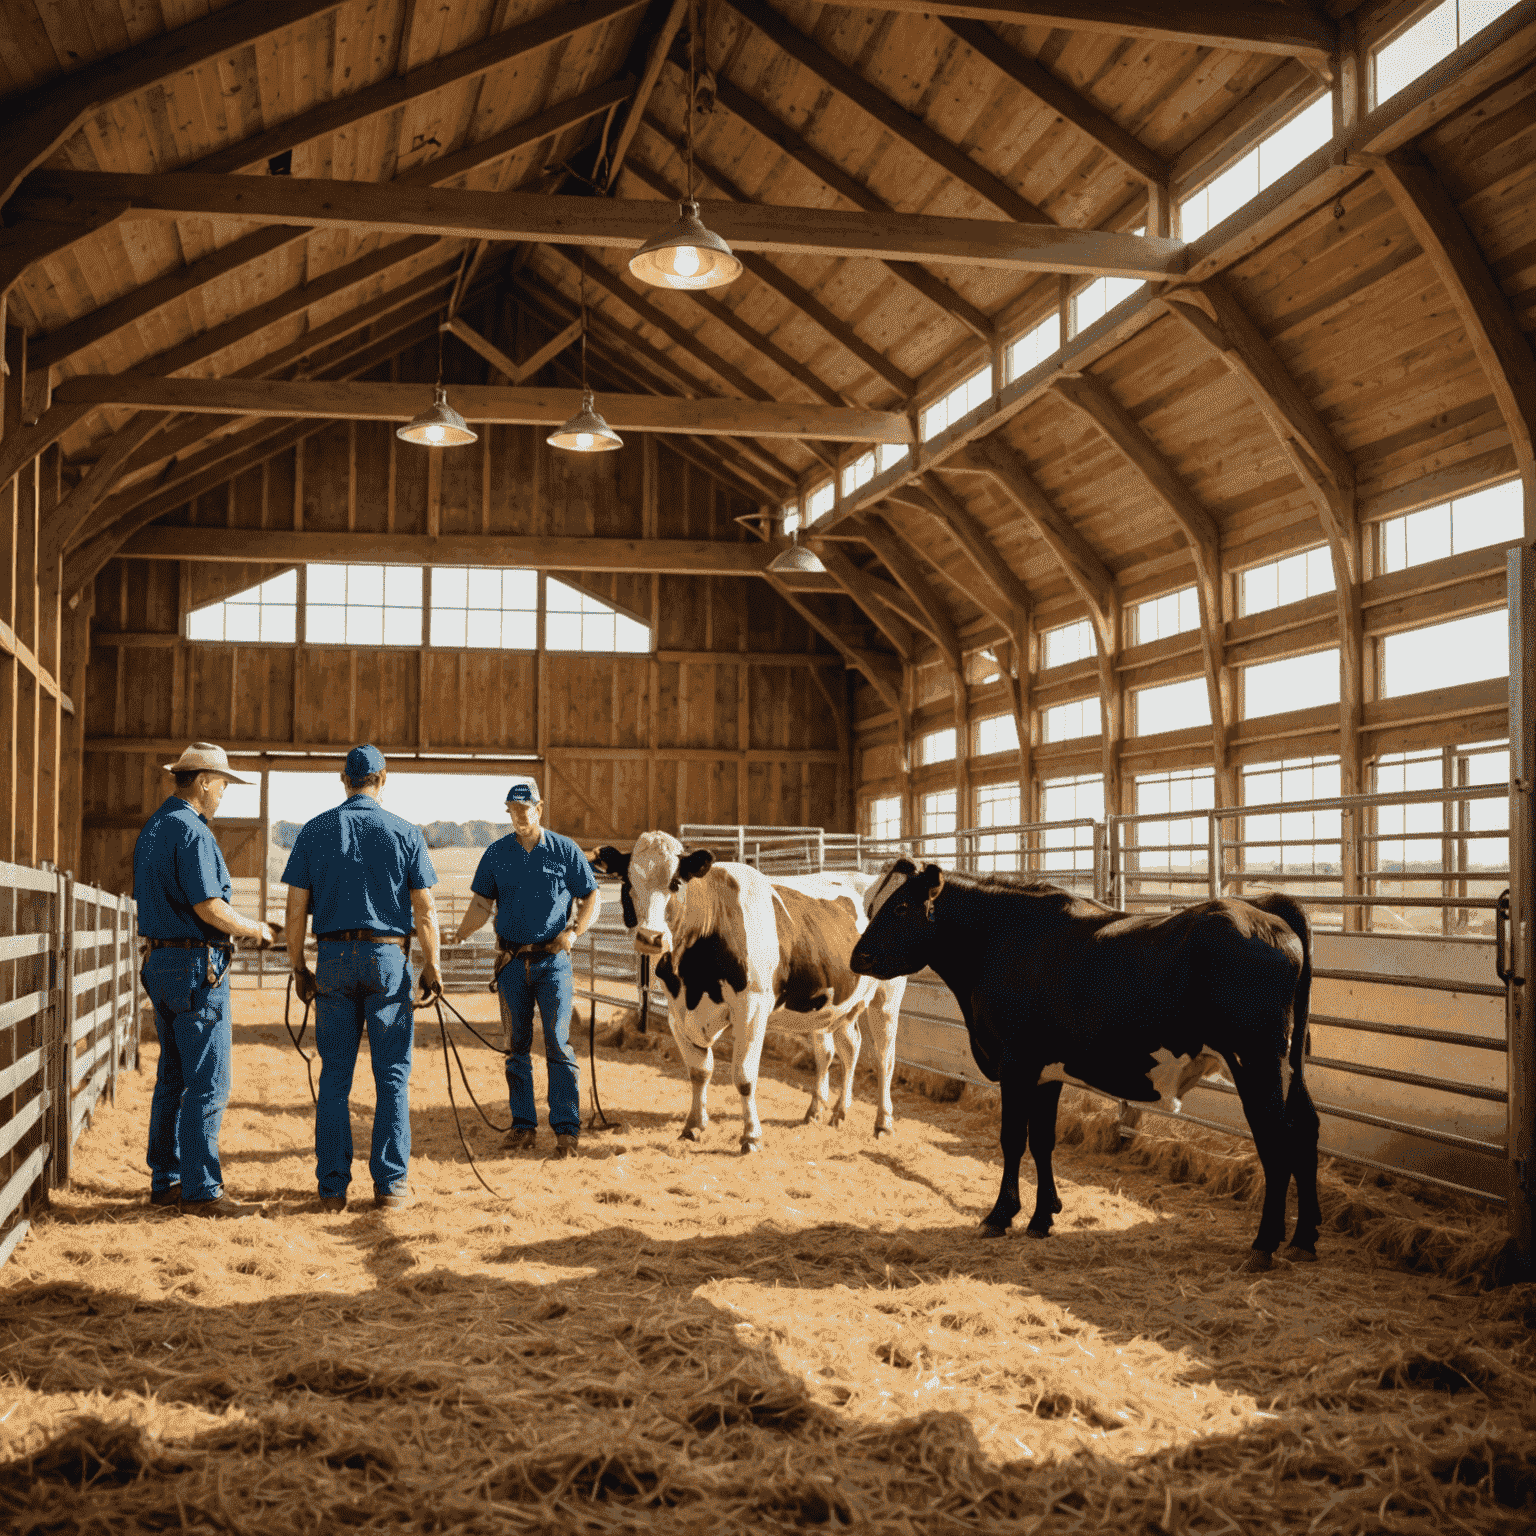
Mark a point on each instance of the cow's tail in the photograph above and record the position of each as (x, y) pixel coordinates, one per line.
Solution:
(1291, 912)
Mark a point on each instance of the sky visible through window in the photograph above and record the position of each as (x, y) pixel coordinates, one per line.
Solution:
(1493, 516)
(265, 613)
(1435, 36)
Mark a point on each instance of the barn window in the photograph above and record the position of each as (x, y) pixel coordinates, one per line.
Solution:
(1178, 843)
(938, 819)
(1263, 165)
(267, 613)
(575, 622)
(1288, 580)
(790, 512)
(1466, 650)
(362, 604)
(960, 401)
(1159, 617)
(1170, 707)
(1068, 643)
(1034, 346)
(485, 609)
(997, 733)
(1431, 38)
(997, 805)
(890, 454)
(1295, 682)
(1071, 799)
(1099, 297)
(1066, 722)
(1494, 516)
(1296, 843)
(858, 473)
(820, 501)
(884, 817)
(936, 747)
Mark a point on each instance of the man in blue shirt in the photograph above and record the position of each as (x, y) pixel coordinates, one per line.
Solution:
(182, 888)
(365, 874)
(544, 896)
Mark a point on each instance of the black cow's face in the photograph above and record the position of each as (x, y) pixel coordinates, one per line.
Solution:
(900, 937)
(609, 860)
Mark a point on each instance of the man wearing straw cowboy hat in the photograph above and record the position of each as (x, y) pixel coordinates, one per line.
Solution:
(182, 888)
(366, 874)
(545, 897)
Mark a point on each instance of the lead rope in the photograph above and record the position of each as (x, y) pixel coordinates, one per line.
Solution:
(438, 1000)
(298, 1039)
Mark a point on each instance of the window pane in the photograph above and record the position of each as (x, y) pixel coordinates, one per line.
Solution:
(402, 626)
(281, 589)
(1296, 682)
(327, 583)
(597, 632)
(1071, 642)
(448, 586)
(630, 636)
(278, 625)
(1415, 49)
(402, 586)
(325, 624)
(484, 589)
(998, 733)
(520, 589)
(482, 629)
(937, 747)
(206, 623)
(1172, 707)
(1289, 146)
(447, 628)
(365, 584)
(365, 626)
(1443, 655)
(519, 631)
(242, 621)
(562, 631)
(560, 598)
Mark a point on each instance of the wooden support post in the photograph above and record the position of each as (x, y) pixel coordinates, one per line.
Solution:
(11, 503)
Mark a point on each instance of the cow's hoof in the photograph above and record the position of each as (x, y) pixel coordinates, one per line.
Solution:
(1257, 1263)
(991, 1229)
(692, 1133)
(837, 1119)
(749, 1147)
(884, 1130)
(814, 1115)
(1300, 1255)
(1038, 1233)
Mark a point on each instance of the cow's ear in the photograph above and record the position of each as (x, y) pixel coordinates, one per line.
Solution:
(933, 883)
(609, 861)
(694, 864)
(904, 867)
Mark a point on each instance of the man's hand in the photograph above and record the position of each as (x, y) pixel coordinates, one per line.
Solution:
(305, 985)
(264, 938)
(431, 981)
(566, 940)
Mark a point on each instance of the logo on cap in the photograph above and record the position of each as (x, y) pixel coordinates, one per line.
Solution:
(527, 793)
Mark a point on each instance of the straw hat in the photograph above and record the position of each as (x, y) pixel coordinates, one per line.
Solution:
(204, 757)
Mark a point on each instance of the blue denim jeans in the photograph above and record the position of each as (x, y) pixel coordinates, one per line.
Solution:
(363, 986)
(547, 982)
(193, 1077)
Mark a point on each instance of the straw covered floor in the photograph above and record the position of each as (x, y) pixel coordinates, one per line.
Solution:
(661, 1336)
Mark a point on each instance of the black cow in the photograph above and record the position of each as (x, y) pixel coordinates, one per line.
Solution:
(1054, 989)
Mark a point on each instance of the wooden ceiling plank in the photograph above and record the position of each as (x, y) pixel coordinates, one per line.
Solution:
(20, 247)
(1493, 329)
(655, 61)
(858, 587)
(896, 120)
(1248, 26)
(881, 675)
(391, 208)
(1003, 592)
(782, 136)
(893, 554)
(1070, 104)
(43, 119)
(59, 348)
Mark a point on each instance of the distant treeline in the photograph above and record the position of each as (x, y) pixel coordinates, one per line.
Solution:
(439, 834)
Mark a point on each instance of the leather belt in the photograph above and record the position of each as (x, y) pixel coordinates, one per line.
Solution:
(527, 953)
(365, 936)
(189, 944)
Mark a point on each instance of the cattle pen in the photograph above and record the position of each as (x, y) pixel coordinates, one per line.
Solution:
(1083, 443)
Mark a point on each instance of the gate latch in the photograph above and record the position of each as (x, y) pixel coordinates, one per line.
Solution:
(1503, 961)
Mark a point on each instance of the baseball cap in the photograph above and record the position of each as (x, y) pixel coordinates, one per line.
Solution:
(527, 793)
(361, 761)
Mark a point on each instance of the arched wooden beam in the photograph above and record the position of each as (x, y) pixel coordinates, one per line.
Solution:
(895, 556)
(883, 676)
(861, 589)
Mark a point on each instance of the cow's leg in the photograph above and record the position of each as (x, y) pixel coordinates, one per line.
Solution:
(1302, 1128)
(881, 1016)
(847, 1036)
(701, 1066)
(749, 1033)
(1258, 1086)
(821, 1089)
(1014, 1135)
(1042, 1143)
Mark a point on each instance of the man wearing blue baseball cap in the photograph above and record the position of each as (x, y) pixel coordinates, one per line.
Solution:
(541, 888)
(365, 874)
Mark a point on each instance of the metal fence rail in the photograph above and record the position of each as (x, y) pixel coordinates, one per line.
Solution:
(69, 995)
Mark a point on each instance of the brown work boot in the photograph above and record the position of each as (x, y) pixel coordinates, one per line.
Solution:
(520, 1139)
(163, 1197)
(565, 1146)
(333, 1202)
(393, 1199)
(224, 1208)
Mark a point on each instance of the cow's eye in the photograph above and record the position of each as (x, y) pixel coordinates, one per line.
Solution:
(675, 884)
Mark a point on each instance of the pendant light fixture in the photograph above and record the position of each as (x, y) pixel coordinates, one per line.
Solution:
(797, 560)
(686, 254)
(586, 431)
(439, 426)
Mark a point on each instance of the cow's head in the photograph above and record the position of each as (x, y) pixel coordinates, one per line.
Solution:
(900, 936)
(655, 877)
(614, 863)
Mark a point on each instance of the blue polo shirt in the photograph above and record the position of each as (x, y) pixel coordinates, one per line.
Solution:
(360, 864)
(177, 863)
(533, 888)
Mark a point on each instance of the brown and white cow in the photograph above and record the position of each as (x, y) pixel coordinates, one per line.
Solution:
(736, 950)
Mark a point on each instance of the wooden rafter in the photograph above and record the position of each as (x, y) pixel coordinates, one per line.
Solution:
(861, 589)
(1249, 26)
(21, 247)
(896, 120)
(655, 61)
(894, 555)
(515, 373)
(41, 120)
(1070, 104)
(393, 208)
(61, 347)
(882, 675)
(782, 136)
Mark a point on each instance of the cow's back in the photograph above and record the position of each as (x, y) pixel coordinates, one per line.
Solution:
(819, 919)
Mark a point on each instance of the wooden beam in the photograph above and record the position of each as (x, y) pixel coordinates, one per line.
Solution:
(1070, 104)
(481, 403)
(853, 581)
(1245, 26)
(675, 557)
(1001, 592)
(786, 287)
(896, 120)
(882, 675)
(42, 119)
(76, 505)
(894, 555)
(655, 60)
(28, 243)
(60, 347)
(515, 372)
(1498, 341)
(392, 208)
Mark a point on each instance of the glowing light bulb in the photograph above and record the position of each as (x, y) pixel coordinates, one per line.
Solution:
(434, 433)
(584, 440)
(685, 261)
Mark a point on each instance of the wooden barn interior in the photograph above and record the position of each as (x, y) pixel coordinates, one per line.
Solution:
(1060, 449)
